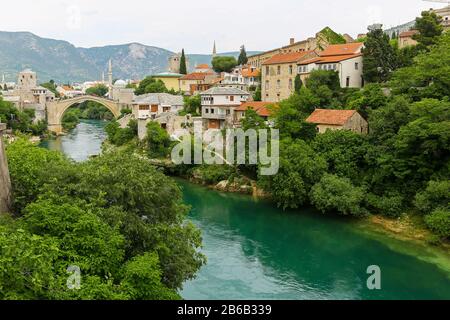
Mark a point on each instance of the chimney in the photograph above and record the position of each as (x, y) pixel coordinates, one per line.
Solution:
(291, 41)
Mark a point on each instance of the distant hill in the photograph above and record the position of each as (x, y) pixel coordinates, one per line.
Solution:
(63, 62)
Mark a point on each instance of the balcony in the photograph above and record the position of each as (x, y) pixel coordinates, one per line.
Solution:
(218, 116)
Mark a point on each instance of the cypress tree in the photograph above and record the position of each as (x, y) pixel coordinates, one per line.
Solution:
(242, 56)
(183, 69)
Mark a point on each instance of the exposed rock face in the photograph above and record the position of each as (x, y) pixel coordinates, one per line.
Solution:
(5, 182)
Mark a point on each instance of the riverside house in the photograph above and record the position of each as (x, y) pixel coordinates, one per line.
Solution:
(327, 119)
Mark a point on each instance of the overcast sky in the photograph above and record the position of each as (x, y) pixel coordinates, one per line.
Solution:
(195, 24)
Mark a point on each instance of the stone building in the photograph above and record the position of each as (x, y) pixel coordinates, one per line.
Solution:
(279, 72)
(5, 182)
(151, 105)
(174, 63)
(193, 83)
(327, 119)
(405, 39)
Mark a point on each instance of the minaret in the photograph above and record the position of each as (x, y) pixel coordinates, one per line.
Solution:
(214, 49)
(110, 78)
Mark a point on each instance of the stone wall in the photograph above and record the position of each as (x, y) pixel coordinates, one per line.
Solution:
(5, 182)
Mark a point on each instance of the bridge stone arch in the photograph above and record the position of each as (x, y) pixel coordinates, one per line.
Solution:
(56, 109)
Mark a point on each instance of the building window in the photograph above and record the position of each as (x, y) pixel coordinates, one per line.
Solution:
(212, 111)
(279, 70)
(290, 84)
(228, 112)
(267, 70)
(356, 66)
(231, 98)
(206, 110)
(348, 82)
(278, 84)
(267, 85)
(290, 70)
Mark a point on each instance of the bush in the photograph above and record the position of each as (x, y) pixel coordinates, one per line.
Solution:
(439, 222)
(158, 140)
(213, 174)
(388, 205)
(333, 193)
(437, 194)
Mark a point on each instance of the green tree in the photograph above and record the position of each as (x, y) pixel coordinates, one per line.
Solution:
(224, 64)
(192, 105)
(325, 86)
(338, 194)
(379, 58)
(183, 68)
(150, 85)
(370, 98)
(242, 60)
(257, 94)
(428, 76)
(430, 29)
(158, 140)
(99, 90)
(298, 83)
(300, 169)
(51, 86)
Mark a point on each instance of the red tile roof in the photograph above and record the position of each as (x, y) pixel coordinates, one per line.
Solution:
(291, 57)
(202, 66)
(330, 59)
(247, 73)
(342, 49)
(194, 76)
(408, 34)
(260, 107)
(332, 117)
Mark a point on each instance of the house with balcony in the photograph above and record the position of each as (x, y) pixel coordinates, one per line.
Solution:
(219, 104)
(151, 105)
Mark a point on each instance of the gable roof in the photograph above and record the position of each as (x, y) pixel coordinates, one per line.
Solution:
(249, 72)
(224, 91)
(259, 106)
(332, 117)
(342, 49)
(291, 57)
(159, 98)
(194, 76)
(202, 66)
(330, 59)
(408, 34)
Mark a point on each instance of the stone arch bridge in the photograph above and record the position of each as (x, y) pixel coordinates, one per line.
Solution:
(56, 109)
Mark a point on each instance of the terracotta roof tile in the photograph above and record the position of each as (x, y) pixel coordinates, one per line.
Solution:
(260, 107)
(338, 58)
(194, 76)
(342, 49)
(247, 73)
(332, 117)
(292, 57)
(202, 66)
(407, 34)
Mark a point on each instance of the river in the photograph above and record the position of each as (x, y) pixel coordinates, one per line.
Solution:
(257, 251)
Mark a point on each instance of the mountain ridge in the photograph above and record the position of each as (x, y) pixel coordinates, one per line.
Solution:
(62, 61)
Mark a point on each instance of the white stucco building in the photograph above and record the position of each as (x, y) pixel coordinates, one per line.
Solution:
(218, 105)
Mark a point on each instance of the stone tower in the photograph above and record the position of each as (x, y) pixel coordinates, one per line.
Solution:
(175, 61)
(27, 79)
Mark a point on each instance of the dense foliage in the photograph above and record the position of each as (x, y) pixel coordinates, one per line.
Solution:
(116, 218)
(242, 59)
(21, 120)
(150, 85)
(223, 63)
(401, 166)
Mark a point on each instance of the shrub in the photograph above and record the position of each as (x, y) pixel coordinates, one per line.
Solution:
(439, 222)
(333, 193)
(437, 194)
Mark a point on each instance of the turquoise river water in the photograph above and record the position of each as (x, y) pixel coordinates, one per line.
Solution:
(257, 251)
